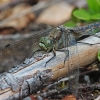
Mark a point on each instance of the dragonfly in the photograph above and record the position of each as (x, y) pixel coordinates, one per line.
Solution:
(68, 37)
(47, 40)
(53, 40)
(57, 37)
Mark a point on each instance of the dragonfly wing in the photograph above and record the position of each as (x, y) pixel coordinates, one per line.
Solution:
(15, 54)
(73, 70)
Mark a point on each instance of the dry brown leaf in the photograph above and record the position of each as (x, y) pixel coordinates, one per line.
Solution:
(4, 14)
(23, 21)
(56, 14)
(70, 97)
(7, 30)
(2, 2)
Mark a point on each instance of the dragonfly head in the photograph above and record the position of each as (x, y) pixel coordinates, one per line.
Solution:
(46, 44)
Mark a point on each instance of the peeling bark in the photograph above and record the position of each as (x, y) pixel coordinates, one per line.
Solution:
(28, 86)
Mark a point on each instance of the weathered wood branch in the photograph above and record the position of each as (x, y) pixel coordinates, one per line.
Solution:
(23, 78)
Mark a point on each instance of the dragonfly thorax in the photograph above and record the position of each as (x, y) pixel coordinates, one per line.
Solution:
(55, 34)
(51, 41)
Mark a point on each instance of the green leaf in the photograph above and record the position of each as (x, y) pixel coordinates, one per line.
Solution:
(93, 6)
(99, 55)
(90, 6)
(98, 1)
(82, 14)
(70, 24)
(95, 17)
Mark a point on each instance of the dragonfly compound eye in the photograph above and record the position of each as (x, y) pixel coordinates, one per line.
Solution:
(42, 46)
(45, 43)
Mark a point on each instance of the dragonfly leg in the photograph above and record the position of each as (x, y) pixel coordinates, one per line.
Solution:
(54, 54)
(7, 45)
(66, 53)
(35, 52)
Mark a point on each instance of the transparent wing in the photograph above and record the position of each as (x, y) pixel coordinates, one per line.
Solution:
(17, 52)
(73, 70)
(72, 65)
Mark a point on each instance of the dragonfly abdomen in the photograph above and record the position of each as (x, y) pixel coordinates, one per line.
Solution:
(87, 28)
